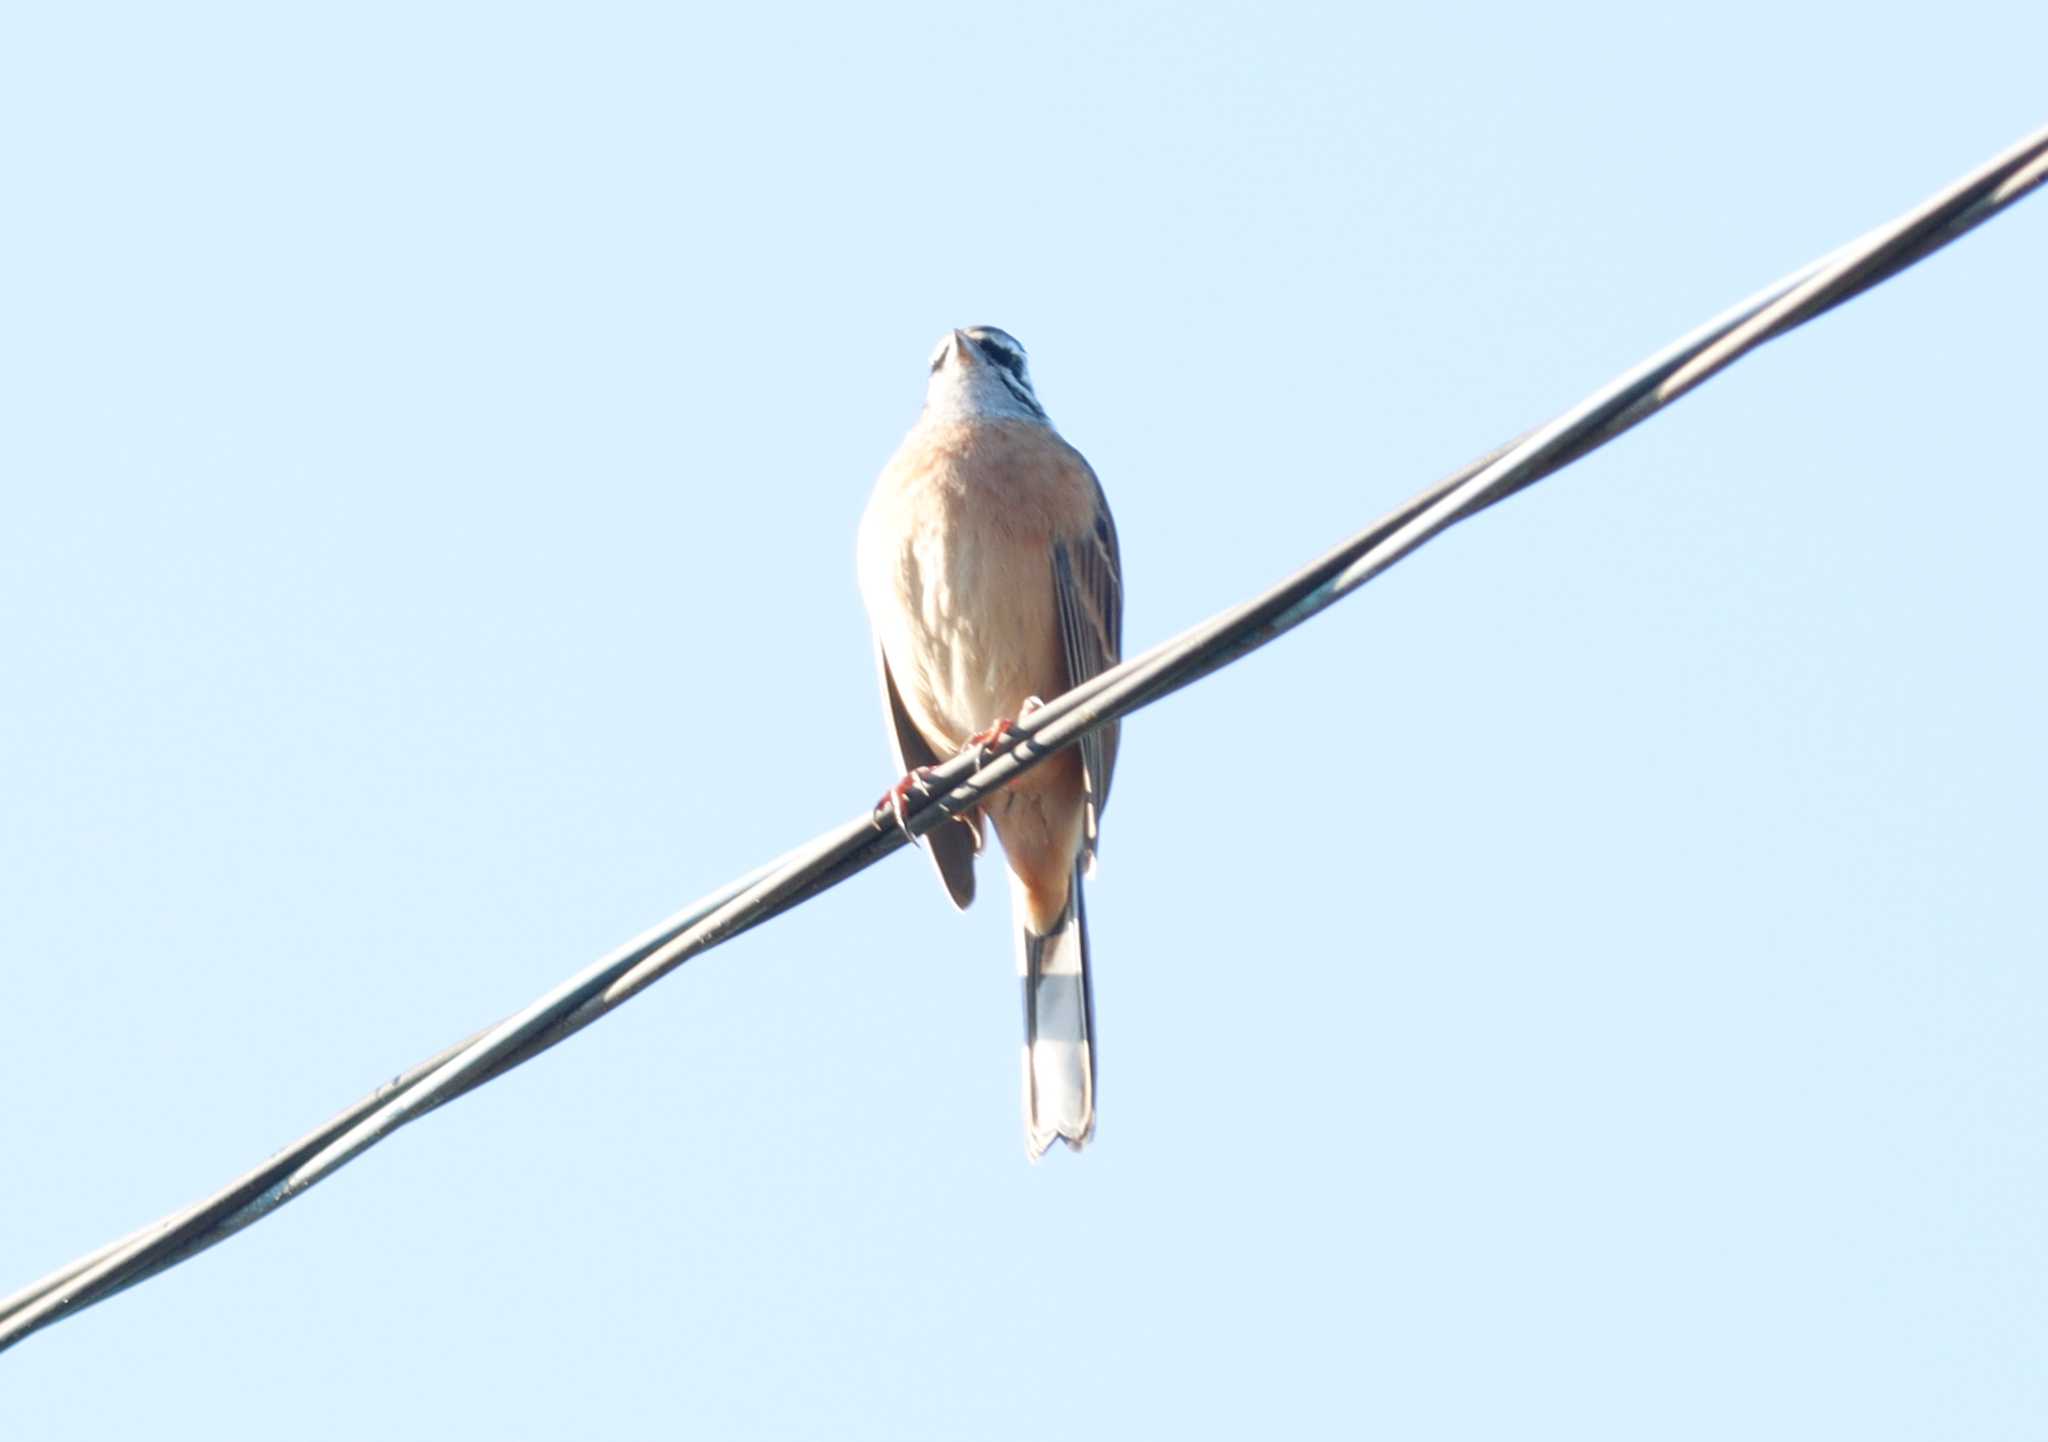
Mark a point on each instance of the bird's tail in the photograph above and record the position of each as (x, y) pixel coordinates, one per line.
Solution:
(1059, 1027)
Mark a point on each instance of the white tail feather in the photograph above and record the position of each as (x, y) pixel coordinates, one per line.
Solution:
(1059, 1060)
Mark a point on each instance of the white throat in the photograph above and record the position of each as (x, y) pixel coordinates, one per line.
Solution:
(970, 391)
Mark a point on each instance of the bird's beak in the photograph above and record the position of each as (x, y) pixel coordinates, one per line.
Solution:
(961, 348)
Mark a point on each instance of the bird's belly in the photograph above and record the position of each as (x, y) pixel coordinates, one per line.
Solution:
(981, 633)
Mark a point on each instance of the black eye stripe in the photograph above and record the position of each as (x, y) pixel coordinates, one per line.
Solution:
(1021, 391)
(1003, 356)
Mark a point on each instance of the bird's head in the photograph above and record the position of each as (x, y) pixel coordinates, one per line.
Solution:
(980, 371)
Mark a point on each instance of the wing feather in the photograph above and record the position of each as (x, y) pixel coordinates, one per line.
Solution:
(952, 847)
(1088, 587)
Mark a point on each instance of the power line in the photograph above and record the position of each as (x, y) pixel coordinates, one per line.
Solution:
(964, 781)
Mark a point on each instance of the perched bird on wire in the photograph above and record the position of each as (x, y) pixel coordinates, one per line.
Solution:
(989, 568)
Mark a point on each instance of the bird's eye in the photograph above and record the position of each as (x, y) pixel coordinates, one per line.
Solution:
(1003, 356)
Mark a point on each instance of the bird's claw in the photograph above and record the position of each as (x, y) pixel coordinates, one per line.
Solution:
(896, 801)
(982, 742)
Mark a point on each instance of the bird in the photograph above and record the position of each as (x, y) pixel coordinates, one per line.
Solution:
(989, 568)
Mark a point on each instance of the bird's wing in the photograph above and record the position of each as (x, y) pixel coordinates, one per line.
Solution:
(1087, 572)
(952, 847)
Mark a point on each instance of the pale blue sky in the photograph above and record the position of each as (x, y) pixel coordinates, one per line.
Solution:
(432, 439)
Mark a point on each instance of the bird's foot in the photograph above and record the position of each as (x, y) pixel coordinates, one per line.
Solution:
(896, 801)
(982, 742)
